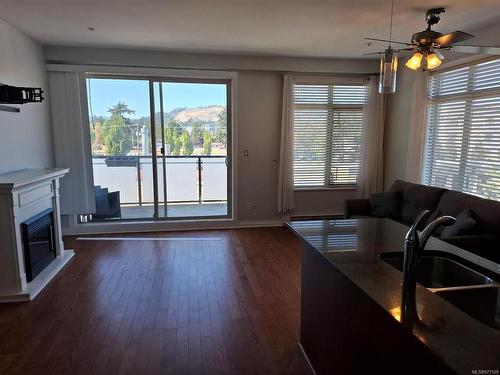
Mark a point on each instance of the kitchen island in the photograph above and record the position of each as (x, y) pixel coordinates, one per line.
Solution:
(351, 306)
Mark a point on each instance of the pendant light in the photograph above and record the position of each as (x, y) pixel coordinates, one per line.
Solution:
(388, 65)
(388, 69)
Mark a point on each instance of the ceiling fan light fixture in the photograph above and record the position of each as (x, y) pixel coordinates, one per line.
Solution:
(415, 61)
(434, 59)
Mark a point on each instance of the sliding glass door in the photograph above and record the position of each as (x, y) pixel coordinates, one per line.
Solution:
(160, 148)
(191, 148)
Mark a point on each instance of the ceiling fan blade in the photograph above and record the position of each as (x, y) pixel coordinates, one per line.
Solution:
(454, 37)
(487, 50)
(372, 53)
(388, 41)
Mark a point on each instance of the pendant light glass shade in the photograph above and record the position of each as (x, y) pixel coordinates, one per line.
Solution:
(434, 60)
(388, 69)
(415, 61)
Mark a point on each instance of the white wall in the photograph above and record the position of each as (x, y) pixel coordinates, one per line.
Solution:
(397, 127)
(25, 137)
(162, 59)
(258, 111)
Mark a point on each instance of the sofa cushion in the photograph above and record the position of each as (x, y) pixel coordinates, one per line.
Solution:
(484, 245)
(386, 204)
(486, 211)
(355, 208)
(415, 198)
(464, 225)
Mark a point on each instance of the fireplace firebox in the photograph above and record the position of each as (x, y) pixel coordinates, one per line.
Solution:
(38, 243)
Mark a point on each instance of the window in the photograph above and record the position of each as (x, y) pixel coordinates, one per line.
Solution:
(328, 122)
(462, 144)
(171, 165)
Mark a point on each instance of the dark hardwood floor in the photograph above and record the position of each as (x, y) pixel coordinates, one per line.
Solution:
(227, 305)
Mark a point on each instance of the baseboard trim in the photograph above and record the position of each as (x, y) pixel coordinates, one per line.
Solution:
(315, 214)
(260, 223)
(127, 227)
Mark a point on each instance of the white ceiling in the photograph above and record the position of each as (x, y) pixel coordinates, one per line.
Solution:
(320, 28)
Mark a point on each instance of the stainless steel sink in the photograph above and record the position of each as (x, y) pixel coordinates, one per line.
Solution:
(470, 291)
(435, 272)
(482, 304)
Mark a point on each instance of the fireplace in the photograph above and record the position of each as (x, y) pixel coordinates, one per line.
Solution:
(38, 243)
(30, 232)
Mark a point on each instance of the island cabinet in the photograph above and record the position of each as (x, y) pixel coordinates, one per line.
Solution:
(344, 331)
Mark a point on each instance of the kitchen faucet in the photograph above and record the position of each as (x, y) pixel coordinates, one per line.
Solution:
(413, 247)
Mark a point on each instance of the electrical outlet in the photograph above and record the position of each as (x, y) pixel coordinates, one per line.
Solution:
(249, 205)
(245, 152)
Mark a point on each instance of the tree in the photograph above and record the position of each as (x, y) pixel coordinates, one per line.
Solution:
(172, 142)
(116, 132)
(220, 135)
(187, 145)
(172, 137)
(121, 109)
(93, 137)
(117, 136)
(207, 143)
(96, 136)
(175, 126)
(197, 134)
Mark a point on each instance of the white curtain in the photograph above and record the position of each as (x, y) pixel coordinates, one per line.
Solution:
(371, 172)
(285, 179)
(416, 137)
(72, 141)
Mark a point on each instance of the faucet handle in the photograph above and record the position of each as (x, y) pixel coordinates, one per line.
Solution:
(411, 235)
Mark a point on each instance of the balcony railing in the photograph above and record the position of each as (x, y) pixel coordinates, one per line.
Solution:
(190, 179)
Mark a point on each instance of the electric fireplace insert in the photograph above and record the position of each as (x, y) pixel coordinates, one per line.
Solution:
(38, 243)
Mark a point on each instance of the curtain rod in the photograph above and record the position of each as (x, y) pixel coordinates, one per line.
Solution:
(56, 65)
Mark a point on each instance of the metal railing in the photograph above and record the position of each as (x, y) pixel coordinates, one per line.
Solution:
(187, 180)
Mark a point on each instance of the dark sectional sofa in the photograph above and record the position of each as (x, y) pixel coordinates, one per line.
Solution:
(405, 200)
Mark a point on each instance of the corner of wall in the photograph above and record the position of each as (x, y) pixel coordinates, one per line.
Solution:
(26, 140)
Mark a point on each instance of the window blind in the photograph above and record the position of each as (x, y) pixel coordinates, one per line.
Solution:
(462, 144)
(328, 123)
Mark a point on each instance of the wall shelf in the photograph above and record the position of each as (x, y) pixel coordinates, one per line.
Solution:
(7, 108)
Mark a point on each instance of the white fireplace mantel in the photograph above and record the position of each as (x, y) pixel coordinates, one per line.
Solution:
(24, 194)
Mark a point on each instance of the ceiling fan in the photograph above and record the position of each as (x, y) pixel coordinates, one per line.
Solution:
(427, 43)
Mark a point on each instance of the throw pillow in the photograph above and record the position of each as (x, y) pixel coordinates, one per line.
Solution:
(464, 224)
(386, 204)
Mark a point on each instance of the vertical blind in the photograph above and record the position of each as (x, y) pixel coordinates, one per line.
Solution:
(328, 123)
(462, 145)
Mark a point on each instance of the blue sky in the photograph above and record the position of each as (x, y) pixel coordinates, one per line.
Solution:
(104, 93)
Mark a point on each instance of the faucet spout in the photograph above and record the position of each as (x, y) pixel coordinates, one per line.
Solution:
(413, 247)
(412, 234)
(431, 227)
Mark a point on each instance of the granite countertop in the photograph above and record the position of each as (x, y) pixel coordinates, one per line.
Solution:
(354, 248)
